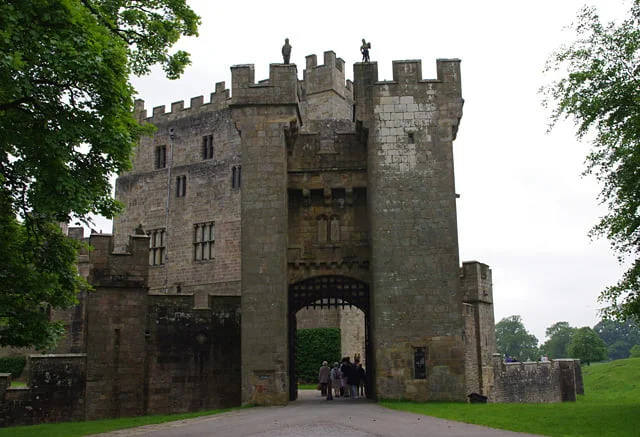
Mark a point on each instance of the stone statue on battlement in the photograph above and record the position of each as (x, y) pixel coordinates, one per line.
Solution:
(286, 51)
(364, 49)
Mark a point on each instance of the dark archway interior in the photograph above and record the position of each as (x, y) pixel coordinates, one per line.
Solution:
(328, 292)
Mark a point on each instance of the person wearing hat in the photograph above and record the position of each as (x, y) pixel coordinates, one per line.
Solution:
(323, 378)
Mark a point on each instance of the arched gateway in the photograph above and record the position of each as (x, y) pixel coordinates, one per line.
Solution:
(326, 292)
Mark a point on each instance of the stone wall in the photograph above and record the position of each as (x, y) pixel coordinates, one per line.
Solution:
(55, 393)
(144, 354)
(210, 196)
(534, 382)
(193, 356)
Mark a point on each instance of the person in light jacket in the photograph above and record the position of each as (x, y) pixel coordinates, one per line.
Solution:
(323, 378)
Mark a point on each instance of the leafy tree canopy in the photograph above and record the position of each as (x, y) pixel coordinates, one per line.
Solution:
(66, 126)
(587, 346)
(635, 351)
(558, 338)
(599, 91)
(619, 336)
(514, 340)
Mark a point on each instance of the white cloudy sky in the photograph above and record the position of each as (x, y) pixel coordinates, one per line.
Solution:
(524, 208)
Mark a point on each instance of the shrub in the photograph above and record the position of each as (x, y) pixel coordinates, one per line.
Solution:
(313, 347)
(13, 365)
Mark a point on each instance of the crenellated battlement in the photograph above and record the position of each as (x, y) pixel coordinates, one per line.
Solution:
(327, 77)
(410, 72)
(421, 101)
(109, 269)
(217, 100)
(280, 88)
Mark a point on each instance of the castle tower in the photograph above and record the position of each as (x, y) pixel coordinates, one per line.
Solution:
(262, 113)
(416, 294)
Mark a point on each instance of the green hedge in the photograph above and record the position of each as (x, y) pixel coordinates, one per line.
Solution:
(13, 365)
(315, 346)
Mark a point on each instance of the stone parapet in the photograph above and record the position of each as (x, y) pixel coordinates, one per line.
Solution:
(534, 382)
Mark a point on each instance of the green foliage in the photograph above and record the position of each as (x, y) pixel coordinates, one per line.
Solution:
(599, 91)
(38, 273)
(587, 346)
(619, 336)
(559, 336)
(608, 408)
(514, 340)
(635, 351)
(66, 127)
(618, 350)
(313, 347)
(13, 365)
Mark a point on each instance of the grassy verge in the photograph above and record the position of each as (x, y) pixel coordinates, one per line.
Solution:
(558, 420)
(609, 407)
(79, 429)
(307, 386)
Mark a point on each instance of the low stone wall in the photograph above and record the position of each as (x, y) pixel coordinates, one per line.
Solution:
(56, 392)
(535, 382)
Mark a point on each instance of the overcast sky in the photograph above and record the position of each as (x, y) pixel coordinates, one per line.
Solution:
(524, 208)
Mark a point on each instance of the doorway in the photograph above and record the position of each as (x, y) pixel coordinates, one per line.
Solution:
(325, 292)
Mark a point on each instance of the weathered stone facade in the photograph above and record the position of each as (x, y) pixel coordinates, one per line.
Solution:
(315, 180)
(280, 204)
(535, 382)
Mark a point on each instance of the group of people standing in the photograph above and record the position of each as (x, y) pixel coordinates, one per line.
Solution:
(346, 379)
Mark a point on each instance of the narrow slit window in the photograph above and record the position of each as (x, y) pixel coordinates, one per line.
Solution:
(420, 363)
(207, 147)
(411, 138)
(236, 176)
(181, 186)
(161, 156)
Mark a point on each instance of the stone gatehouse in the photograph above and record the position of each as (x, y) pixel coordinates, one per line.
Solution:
(322, 192)
(247, 215)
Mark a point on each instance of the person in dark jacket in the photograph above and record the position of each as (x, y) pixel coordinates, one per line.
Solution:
(363, 380)
(353, 379)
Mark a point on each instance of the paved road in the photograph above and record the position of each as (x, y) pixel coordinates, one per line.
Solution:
(312, 416)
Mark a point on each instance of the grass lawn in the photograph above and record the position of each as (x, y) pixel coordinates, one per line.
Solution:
(609, 407)
(78, 429)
